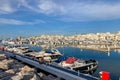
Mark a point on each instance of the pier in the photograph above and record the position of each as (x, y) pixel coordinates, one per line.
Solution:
(51, 68)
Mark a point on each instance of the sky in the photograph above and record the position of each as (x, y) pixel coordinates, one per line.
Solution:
(35, 17)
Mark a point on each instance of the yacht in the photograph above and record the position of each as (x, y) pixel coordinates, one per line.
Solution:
(46, 55)
(83, 66)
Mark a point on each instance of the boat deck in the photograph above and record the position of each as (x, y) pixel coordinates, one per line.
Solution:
(81, 65)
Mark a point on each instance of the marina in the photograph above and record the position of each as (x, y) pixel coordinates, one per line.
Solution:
(50, 55)
(53, 56)
(59, 39)
(53, 69)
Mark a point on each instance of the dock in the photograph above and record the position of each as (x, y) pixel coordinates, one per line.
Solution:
(60, 72)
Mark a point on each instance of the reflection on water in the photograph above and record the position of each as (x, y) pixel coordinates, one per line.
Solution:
(118, 51)
(107, 61)
(108, 53)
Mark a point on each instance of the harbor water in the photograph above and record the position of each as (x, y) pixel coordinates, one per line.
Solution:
(107, 61)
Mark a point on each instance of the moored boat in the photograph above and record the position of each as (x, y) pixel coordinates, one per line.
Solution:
(45, 55)
(83, 66)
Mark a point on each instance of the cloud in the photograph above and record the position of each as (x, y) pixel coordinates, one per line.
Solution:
(8, 6)
(50, 7)
(66, 10)
(30, 4)
(81, 10)
(19, 22)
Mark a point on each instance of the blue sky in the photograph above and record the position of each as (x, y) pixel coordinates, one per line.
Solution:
(34, 17)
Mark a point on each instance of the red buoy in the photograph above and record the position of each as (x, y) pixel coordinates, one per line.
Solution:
(104, 75)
